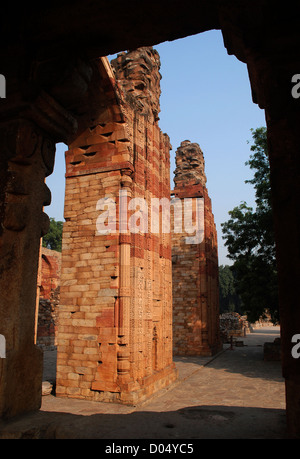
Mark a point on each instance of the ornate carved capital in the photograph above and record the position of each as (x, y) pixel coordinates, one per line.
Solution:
(50, 116)
(27, 157)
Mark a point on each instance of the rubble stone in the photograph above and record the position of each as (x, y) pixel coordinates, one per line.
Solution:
(47, 388)
(232, 324)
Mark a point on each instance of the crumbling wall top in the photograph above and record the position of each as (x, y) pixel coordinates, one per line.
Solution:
(138, 73)
(190, 165)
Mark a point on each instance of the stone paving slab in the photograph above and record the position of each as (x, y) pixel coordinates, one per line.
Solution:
(233, 395)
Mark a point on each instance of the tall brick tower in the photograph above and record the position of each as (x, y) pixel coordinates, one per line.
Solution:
(194, 259)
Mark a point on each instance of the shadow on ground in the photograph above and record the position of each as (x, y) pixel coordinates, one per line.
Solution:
(247, 360)
(250, 363)
(197, 422)
(234, 395)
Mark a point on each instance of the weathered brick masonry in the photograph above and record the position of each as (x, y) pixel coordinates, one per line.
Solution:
(48, 66)
(48, 297)
(195, 263)
(115, 316)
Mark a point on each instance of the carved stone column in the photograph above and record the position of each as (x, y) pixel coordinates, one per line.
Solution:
(34, 116)
(265, 40)
(27, 156)
(271, 79)
(123, 354)
(284, 148)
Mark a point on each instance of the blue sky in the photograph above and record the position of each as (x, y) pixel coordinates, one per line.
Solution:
(206, 98)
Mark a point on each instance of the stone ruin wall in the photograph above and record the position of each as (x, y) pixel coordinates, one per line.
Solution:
(48, 297)
(115, 316)
(195, 265)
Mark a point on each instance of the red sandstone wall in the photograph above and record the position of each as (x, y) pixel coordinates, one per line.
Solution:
(115, 318)
(194, 265)
(48, 290)
(50, 272)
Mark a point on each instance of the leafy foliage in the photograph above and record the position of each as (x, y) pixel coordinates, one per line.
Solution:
(53, 239)
(229, 299)
(250, 240)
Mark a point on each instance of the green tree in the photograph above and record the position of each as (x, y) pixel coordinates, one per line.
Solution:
(53, 239)
(250, 240)
(229, 299)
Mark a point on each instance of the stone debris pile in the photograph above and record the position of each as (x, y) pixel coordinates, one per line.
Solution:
(232, 324)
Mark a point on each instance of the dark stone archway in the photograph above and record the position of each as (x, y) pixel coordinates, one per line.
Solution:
(46, 54)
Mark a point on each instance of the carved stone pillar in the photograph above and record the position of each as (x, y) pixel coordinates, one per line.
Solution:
(27, 156)
(271, 80)
(34, 116)
(270, 51)
(123, 354)
(284, 148)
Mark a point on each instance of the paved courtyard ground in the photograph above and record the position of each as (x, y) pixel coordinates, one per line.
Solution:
(234, 395)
